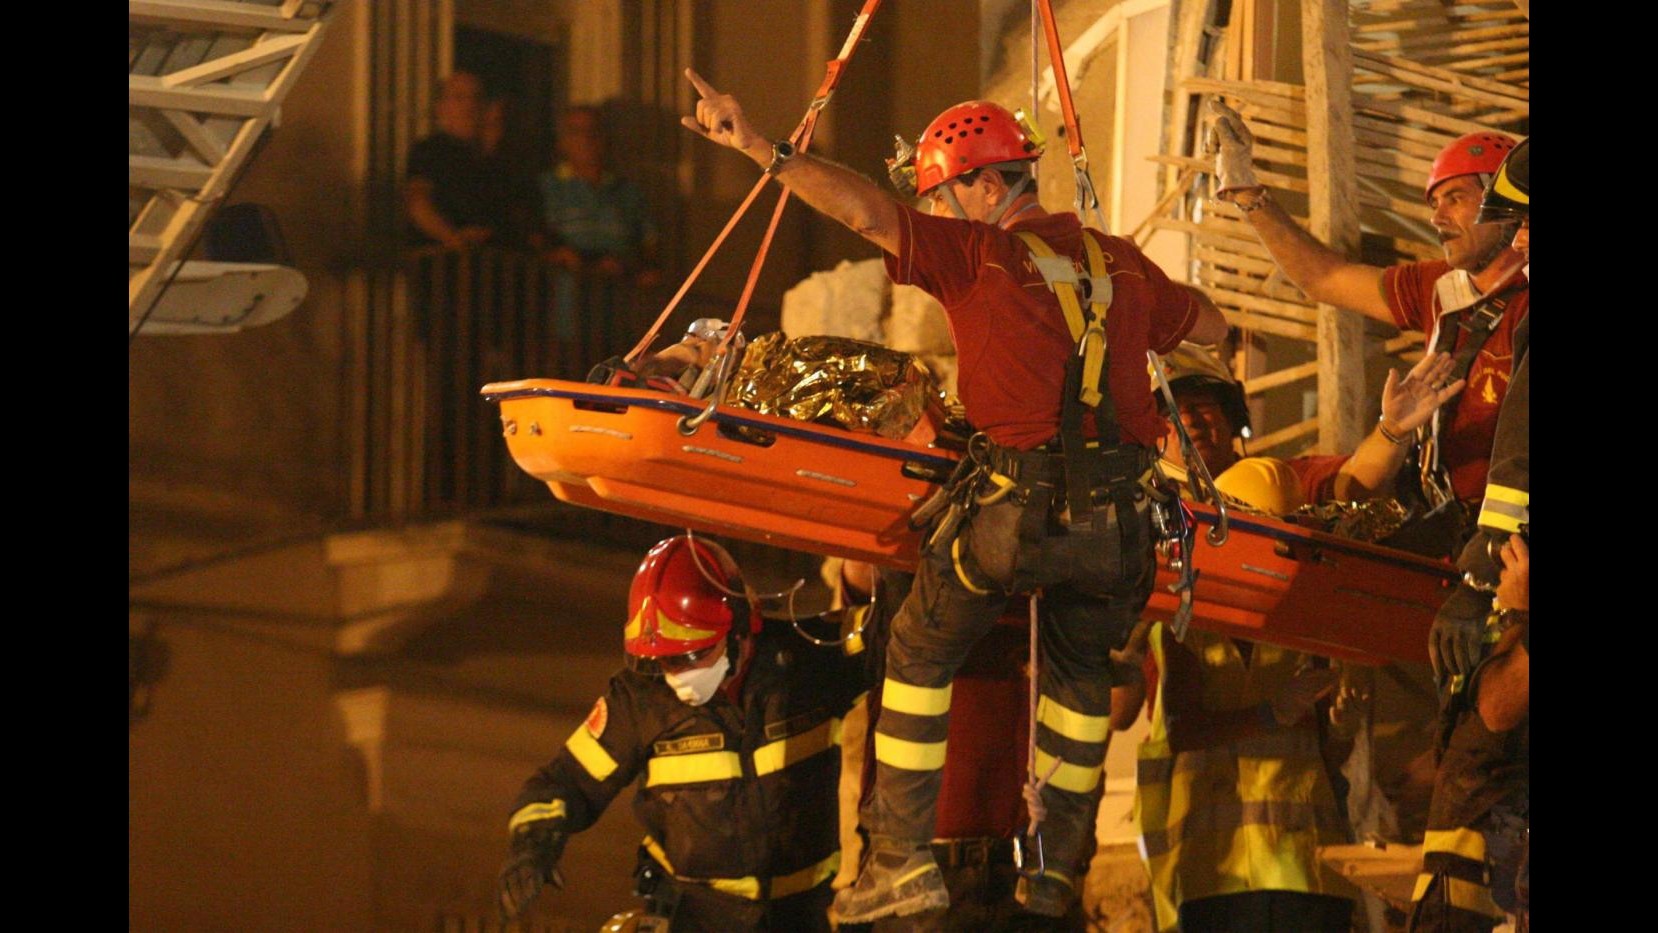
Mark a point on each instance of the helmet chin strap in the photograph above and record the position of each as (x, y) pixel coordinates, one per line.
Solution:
(995, 215)
(1007, 202)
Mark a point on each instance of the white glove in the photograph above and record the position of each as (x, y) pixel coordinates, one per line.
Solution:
(1233, 146)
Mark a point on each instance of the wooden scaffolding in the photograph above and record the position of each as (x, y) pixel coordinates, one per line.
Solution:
(1384, 85)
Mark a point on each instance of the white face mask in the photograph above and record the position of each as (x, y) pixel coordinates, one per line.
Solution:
(697, 687)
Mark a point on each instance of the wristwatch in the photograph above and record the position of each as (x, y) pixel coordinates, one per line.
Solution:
(781, 151)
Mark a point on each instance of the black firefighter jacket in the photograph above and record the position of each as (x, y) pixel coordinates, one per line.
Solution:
(741, 796)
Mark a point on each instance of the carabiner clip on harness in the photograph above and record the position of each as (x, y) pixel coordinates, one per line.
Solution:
(1203, 487)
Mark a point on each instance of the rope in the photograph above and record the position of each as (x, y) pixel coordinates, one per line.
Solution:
(1032, 791)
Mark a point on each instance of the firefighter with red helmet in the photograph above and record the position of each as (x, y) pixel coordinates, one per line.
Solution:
(1056, 491)
(1479, 820)
(730, 730)
(1468, 304)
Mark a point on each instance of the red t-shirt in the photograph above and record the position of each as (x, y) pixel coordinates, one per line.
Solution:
(1012, 342)
(1464, 445)
(1317, 473)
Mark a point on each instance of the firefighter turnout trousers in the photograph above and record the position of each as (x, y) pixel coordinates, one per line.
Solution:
(1093, 586)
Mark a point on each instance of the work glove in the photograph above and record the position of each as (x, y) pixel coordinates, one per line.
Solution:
(1454, 640)
(536, 848)
(1233, 146)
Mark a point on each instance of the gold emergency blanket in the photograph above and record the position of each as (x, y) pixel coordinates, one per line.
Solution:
(1370, 521)
(858, 385)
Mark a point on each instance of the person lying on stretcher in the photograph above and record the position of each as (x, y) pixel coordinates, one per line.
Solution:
(676, 369)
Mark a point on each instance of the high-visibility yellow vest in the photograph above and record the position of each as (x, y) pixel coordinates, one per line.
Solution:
(1247, 815)
(1151, 798)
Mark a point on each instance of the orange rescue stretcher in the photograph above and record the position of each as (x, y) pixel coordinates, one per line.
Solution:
(822, 489)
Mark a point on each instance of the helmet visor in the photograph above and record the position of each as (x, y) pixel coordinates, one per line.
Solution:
(672, 663)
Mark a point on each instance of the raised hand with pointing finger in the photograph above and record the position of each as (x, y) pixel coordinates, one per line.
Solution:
(720, 118)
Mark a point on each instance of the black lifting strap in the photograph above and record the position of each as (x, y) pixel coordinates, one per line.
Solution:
(1479, 320)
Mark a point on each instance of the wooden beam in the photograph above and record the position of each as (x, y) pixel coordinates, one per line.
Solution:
(141, 249)
(151, 172)
(1261, 324)
(148, 91)
(1284, 436)
(262, 53)
(1431, 118)
(216, 13)
(1438, 79)
(1191, 17)
(1177, 189)
(1261, 287)
(196, 135)
(1285, 376)
(1333, 205)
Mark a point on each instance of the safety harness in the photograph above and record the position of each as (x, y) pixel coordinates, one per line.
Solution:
(1479, 320)
(1085, 375)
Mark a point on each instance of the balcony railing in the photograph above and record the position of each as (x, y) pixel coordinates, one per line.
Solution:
(446, 324)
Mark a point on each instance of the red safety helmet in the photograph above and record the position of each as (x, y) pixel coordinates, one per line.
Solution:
(971, 136)
(680, 605)
(1473, 154)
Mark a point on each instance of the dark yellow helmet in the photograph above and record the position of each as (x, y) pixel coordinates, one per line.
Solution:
(1190, 366)
(1508, 196)
(1266, 484)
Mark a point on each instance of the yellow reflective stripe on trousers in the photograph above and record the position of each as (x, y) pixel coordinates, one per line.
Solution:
(775, 756)
(911, 756)
(781, 886)
(1070, 723)
(916, 701)
(529, 813)
(1468, 843)
(690, 769)
(1463, 895)
(1074, 778)
(590, 753)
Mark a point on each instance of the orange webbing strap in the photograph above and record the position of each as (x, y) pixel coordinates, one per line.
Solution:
(801, 138)
(650, 335)
(1056, 55)
(1086, 199)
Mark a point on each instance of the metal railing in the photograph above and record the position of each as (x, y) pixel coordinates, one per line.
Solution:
(446, 324)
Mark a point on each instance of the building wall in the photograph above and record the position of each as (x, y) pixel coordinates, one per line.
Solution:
(245, 805)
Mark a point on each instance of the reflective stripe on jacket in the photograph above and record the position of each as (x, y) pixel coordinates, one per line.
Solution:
(1246, 815)
(741, 797)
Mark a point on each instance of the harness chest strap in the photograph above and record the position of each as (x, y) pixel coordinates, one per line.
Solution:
(1060, 273)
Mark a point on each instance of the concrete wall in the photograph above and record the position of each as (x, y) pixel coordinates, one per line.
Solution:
(245, 804)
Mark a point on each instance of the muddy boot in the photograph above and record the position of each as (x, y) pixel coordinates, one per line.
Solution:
(1045, 895)
(899, 878)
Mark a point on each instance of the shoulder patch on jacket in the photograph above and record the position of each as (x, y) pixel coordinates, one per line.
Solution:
(708, 742)
(597, 719)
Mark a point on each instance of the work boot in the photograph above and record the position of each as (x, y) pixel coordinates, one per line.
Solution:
(900, 878)
(1044, 895)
